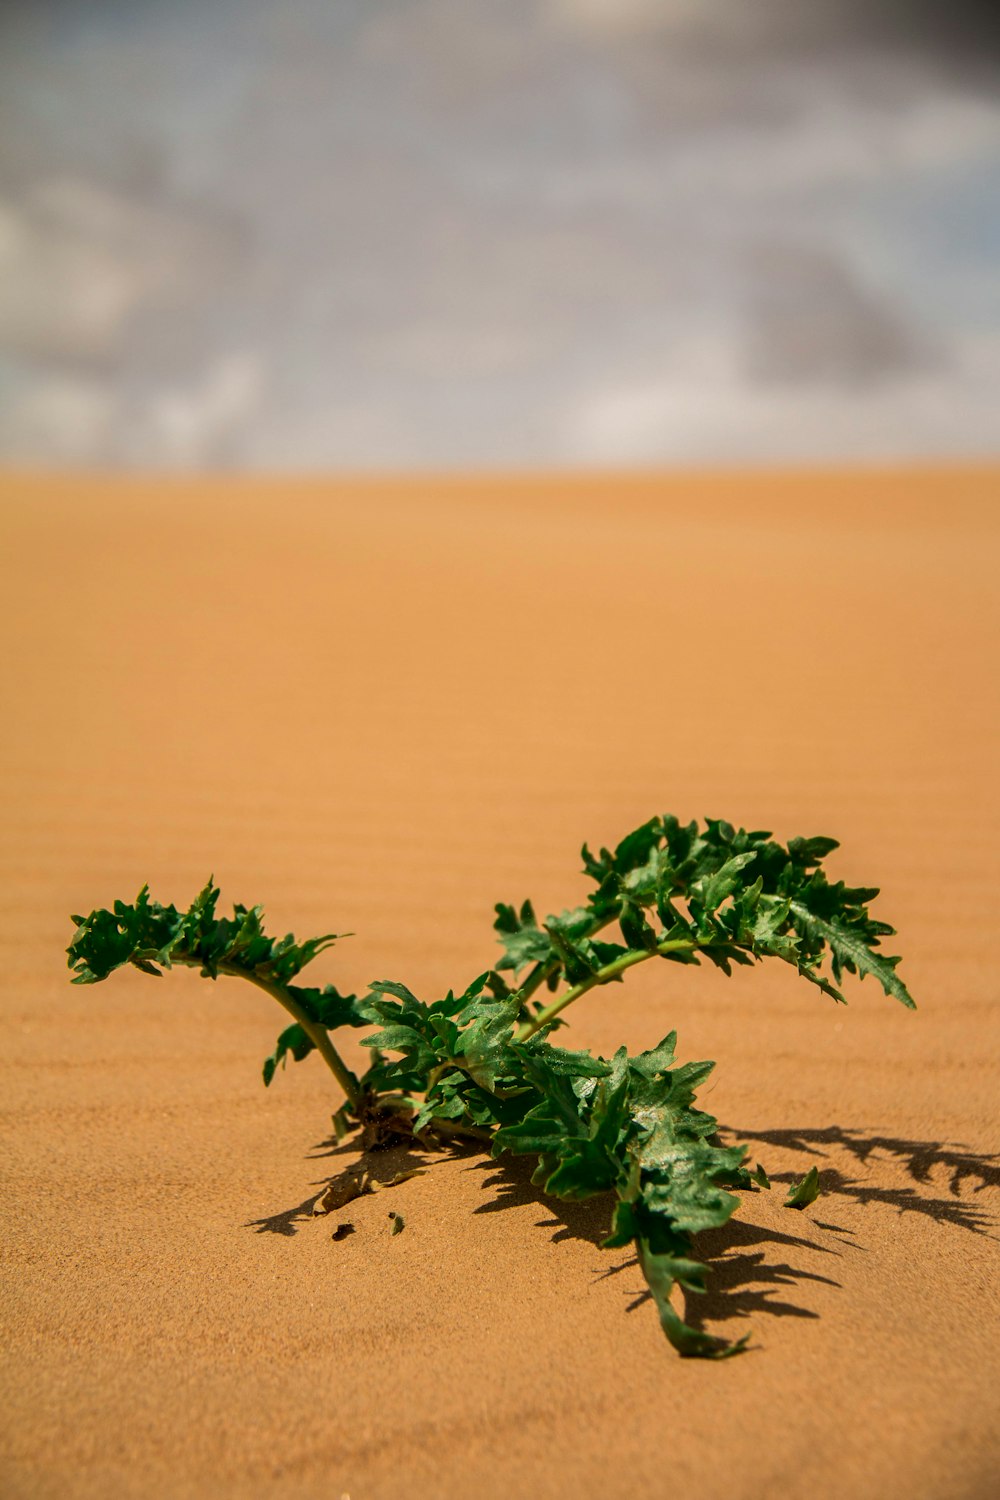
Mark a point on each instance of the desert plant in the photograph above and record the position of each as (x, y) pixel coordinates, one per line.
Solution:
(480, 1064)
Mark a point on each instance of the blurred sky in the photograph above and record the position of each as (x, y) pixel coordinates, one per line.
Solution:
(457, 233)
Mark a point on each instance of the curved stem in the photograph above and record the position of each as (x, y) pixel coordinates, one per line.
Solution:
(601, 976)
(316, 1033)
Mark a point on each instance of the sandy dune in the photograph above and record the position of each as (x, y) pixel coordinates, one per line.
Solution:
(382, 707)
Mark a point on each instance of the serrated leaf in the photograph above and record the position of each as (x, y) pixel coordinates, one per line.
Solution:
(523, 940)
(712, 889)
(853, 954)
(658, 1060)
(146, 933)
(636, 847)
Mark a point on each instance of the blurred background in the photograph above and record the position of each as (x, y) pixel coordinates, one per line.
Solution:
(397, 234)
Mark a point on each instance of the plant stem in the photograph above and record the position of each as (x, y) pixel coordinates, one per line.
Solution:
(457, 1128)
(316, 1033)
(600, 976)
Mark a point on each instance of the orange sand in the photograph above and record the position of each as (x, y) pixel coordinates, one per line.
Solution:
(382, 706)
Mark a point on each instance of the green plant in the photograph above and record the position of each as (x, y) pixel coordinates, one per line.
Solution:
(480, 1064)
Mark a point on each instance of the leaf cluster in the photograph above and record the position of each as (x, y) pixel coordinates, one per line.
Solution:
(153, 937)
(480, 1063)
(717, 892)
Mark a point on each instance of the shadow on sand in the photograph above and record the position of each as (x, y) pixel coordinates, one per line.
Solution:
(952, 1165)
(384, 1165)
(744, 1279)
(755, 1269)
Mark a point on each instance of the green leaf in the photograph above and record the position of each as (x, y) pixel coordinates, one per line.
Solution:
(809, 852)
(569, 939)
(293, 1041)
(662, 1272)
(146, 933)
(710, 890)
(485, 1041)
(523, 940)
(565, 1063)
(802, 1193)
(636, 930)
(852, 953)
(635, 848)
(551, 1121)
(391, 987)
(658, 1060)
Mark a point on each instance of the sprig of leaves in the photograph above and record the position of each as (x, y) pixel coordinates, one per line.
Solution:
(152, 937)
(480, 1063)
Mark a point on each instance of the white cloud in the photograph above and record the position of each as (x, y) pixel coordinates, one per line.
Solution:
(718, 417)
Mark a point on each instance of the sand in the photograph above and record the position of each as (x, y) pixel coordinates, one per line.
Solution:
(382, 706)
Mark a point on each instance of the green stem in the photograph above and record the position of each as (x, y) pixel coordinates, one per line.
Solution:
(538, 976)
(316, 1033)
(601, 976)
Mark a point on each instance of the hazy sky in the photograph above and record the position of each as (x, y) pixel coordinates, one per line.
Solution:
(347, 233)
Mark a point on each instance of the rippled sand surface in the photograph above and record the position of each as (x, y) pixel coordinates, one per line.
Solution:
(381, 707)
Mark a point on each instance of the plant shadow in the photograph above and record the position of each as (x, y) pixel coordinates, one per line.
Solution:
(754, 1268)
(383, 1165)
(922, 1161)
(744, 1279)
